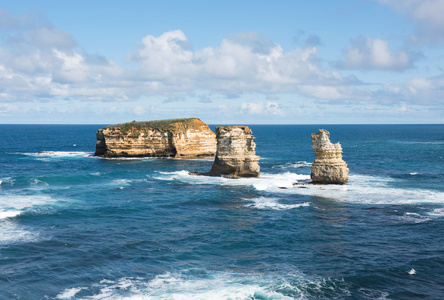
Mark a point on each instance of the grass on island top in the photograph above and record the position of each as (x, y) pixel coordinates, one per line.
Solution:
(168, 124)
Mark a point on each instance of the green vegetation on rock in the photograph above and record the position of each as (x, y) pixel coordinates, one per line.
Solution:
(173, 125)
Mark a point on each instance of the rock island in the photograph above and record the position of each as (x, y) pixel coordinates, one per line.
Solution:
(328, 167)
(176, 138)
(236, 155)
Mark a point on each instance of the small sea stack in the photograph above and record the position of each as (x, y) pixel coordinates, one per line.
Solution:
(236, 153)
(328, 167)
(176, 138)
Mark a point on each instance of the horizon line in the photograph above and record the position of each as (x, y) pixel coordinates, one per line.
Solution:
(299, 124)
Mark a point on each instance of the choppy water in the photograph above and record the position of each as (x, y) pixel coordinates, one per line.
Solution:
(74, 226)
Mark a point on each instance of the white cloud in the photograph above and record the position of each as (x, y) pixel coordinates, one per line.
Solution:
(7, 108)
(403, 108)
(161, 58)
(427, 14)
(72, 67)
(422, 91)
(40, 62)
(373, 53)
(261, 108)
(243, 63)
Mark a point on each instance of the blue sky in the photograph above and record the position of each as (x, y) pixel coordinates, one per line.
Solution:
(226, 62)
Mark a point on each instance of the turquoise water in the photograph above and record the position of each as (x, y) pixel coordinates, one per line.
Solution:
(75, 226)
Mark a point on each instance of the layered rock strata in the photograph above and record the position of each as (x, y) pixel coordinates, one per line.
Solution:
(328, 167)
(236, 154)
(178, 138)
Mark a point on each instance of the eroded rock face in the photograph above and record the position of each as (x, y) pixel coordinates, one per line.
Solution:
(328, 167)
(178, 138)
(236, 154)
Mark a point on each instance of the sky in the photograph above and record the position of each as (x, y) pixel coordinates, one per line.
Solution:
(225, 62)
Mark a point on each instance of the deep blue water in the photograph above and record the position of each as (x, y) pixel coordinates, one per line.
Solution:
(74, 226)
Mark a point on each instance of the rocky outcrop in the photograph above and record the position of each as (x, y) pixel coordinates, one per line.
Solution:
(178, 138)
(236, 154)
(328, 166)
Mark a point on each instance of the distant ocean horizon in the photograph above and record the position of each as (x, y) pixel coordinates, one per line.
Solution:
(233, 124)
(76, 226)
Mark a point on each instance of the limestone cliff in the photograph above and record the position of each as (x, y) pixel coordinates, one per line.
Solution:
(328, 166)
(178, 138)
(236, 154)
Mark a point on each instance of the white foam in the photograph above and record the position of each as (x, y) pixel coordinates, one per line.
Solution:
(12, 233)
(9, 214)
(121, 182)
(22, 202)
(264, 182)
(65, 153)
(359, 189)
(279, 181)
(125, 182)
(7, 180)
(215, 285)
(414, 173)
(298, 164)
(414, 218)
(369, 190)
(68, 293)
(437, 212)
(36, 182)
(130, 158)
(12, 206)
(175, 286)
(273, 203)
(48, 155)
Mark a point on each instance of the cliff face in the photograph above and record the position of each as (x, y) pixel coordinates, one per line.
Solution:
(178, 138)
(328, 166)
(236, 154)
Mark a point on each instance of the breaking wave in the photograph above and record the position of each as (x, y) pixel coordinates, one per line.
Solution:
(296, 165)
(58, 155)
(361, 189)
(273, 204)
(12, 206)
(199, 284)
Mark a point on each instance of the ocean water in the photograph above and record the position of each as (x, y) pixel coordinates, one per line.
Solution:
(75, 226)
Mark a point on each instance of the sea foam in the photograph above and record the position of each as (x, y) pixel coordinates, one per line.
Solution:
(361, 189)
(12, 233)
(58, 155)
(295, 165)
(273, 204)
(209, 285)
(68, 293)
(12, 206)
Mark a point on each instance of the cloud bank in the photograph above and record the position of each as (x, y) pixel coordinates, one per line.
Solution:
(41, 62)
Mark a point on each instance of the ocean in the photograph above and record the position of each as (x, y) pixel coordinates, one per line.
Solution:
(75, 226)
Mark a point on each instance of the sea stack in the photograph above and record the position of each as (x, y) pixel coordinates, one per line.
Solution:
(177, 138)
(236, 154)
(328, 167)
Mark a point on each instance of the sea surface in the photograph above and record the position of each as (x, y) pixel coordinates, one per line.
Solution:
(75, 226)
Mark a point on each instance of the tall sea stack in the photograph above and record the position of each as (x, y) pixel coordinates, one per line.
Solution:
(236, 154)
(328, 167)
